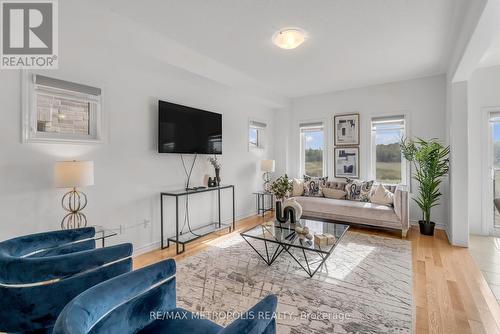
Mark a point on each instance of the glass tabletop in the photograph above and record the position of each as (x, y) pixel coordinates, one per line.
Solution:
(285, 234)
(181, 192)
(103, 233)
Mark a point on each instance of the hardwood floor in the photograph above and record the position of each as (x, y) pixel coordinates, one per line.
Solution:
(450, 293)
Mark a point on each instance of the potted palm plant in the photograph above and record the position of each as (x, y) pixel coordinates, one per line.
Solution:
(431, 163)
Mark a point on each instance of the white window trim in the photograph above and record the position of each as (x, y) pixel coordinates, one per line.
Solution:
(29, 117)
(262, 127)
(302, 144)
(406, 167)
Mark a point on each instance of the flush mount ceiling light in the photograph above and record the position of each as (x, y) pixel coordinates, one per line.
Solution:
(289, 38)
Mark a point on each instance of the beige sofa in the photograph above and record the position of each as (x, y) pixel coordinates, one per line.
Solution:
(363, 213)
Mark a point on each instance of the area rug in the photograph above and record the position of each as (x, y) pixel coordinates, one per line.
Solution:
(365, 286)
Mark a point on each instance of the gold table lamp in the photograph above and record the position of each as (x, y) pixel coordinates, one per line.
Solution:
(74, 174)
(267, 166)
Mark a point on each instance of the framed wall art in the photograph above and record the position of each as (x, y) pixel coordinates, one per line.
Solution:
(346, 162)
(346, 129)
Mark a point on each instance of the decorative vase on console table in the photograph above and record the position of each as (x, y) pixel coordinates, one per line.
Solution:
(217, 176)
(217, 166)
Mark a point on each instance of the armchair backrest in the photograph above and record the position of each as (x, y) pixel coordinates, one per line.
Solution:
(123, 304)
(260, 319)
(21, 264)
(41, 273)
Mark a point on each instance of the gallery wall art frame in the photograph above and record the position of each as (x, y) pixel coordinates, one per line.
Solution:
(346, 162)
(346, 131)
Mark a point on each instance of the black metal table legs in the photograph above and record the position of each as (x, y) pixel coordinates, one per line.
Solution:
(183, 238)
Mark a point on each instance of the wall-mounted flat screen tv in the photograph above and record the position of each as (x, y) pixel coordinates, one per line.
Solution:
(183, 129)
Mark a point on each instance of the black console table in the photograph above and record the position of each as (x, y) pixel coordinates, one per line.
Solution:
(184, 238)
(261, 198)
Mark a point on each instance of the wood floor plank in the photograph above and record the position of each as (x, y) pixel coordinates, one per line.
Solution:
(450, 293)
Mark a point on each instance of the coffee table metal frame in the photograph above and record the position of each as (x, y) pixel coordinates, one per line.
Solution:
(269, 259)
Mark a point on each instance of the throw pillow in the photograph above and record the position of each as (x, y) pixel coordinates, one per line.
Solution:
(313, 185)
(334, 193)
(358, 190)
(297, 187)
(323, 179)
(380, 195)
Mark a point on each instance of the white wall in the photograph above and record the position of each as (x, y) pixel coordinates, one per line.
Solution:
(423, 101)
(129, 173)
(483, 97)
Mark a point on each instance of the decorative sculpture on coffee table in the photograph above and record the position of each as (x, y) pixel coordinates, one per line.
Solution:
(286, 214)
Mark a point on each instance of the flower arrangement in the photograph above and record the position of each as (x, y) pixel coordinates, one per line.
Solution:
(281, 187)
(214, 162)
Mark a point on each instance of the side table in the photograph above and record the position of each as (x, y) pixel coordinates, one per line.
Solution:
(261, 202)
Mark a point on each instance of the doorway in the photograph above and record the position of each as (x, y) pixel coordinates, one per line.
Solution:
(493, 187)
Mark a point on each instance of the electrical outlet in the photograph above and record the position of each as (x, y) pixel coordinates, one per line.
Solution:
(146, 223)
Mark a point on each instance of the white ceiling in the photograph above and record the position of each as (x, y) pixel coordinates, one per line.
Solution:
(492, 55)
(352, 43)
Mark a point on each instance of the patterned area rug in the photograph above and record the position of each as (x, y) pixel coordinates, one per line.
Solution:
(365, 287)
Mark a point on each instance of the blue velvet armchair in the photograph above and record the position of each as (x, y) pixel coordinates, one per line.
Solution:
(41, 273)
(144, 301)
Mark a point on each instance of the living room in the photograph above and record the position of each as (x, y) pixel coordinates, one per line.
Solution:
(213, 157)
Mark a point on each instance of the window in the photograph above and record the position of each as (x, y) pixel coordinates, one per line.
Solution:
(59, 110)
(387, 163)
(256, 134)
(312, 148)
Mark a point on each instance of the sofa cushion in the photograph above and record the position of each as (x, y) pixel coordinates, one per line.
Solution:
(336, 185)
(334, 193)
(297, 187)
(355, 209)
(358, 190)
(380, 195)
(313, 185)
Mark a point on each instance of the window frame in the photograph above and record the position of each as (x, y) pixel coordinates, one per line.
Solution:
(405, 172)
(307, 124)
(260, 126)
(30, 112)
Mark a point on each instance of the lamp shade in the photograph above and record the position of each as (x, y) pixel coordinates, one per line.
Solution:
(267, 165)
(72, 174)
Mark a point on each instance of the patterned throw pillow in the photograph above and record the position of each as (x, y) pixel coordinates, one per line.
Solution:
(313, 185)
(358, 190)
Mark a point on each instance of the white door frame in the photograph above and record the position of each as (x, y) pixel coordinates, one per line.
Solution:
(487, 206)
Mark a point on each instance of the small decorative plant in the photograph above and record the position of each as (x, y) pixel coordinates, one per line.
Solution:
(214, 162)
(217, 166)
(281, 187)
(431, 163)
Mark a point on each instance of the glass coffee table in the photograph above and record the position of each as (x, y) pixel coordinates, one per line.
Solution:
(279, 238)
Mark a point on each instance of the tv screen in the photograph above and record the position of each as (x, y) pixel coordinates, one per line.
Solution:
(183, 129)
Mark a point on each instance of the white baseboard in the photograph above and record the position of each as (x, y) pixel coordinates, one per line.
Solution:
(156, 245)
(146, 248)
(438, 226)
